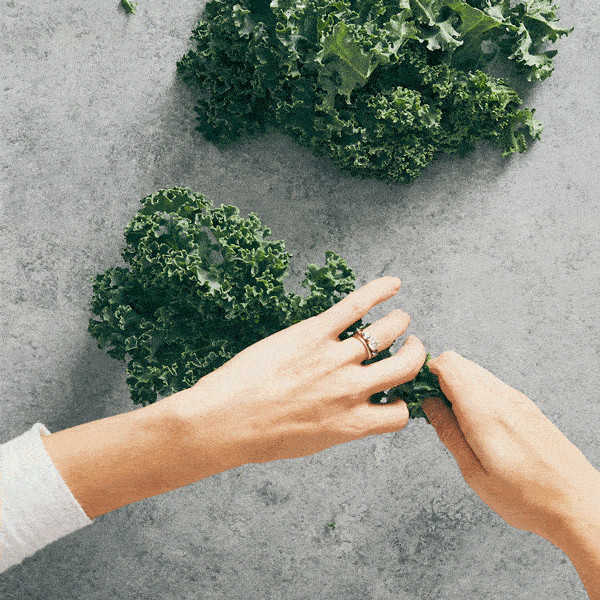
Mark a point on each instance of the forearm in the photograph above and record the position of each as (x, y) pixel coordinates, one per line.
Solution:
(118, 460)
(587, 564)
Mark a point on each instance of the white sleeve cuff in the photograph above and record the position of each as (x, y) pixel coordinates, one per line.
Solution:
(36, 506)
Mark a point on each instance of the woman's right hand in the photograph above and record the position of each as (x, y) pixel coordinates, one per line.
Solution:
(518, 462)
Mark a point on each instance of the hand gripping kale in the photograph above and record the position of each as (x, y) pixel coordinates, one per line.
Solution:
(381, 87)
(200, 285)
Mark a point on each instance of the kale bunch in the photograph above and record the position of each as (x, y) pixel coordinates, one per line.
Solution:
(380, 86)
(203, 283)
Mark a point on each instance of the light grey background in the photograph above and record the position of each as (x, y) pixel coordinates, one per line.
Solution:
(499, 260)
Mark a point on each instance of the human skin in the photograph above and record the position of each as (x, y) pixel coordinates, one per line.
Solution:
(292, 394)
(518, 462)
(303, 390)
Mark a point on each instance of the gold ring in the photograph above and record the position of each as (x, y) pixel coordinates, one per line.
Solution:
(368, 341)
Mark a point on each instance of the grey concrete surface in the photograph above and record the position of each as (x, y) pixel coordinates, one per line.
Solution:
(499, 260)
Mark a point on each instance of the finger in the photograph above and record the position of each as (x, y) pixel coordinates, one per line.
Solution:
(399, 368)
(465, 384)
(357, 304)
(384, 332)
(486, 380)
(373, 419)
(446, 426)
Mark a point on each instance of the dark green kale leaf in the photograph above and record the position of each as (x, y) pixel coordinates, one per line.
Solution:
(519, 31)
(424, 385)
(381, 87)
(201, 284)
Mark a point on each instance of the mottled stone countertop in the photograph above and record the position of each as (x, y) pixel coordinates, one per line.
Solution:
(499, 260)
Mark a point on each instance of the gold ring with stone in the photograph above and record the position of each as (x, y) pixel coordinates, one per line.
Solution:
(368, 341)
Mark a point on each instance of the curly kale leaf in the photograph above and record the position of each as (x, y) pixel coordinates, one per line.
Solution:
(381, 87)
(201, 284)
(519, 31)
(424, 385)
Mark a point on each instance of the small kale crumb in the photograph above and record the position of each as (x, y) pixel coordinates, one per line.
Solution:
(130, 7)
(331, 525)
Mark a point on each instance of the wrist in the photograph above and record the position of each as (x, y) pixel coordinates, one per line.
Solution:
(121, 459)
(580, 540)
(209, 434)
(580, 519)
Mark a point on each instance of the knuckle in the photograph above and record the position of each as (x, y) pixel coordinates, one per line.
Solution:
(355, 387)
(389, 426)
(525, 402)
(504, 471)
(420, 351)
(353, 429)
(380, 428)
(357, 306)
(401, 421)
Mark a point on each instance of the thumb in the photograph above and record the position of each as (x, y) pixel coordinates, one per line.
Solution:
(446, 426)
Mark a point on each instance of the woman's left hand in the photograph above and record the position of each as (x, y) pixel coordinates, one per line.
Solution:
(294, 393)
